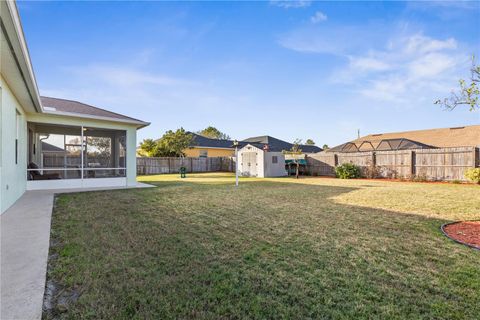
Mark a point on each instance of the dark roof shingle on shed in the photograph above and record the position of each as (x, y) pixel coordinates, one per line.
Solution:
(274, 144)
(278, 145)
(53, 105)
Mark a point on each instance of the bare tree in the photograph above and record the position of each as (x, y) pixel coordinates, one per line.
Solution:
(468, 94)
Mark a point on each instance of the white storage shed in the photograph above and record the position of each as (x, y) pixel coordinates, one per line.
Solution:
(256, 162)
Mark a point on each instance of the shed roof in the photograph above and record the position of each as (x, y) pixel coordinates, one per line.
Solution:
(278, 145)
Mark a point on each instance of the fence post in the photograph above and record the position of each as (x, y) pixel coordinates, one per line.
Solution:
(476, 156)
(412, 163)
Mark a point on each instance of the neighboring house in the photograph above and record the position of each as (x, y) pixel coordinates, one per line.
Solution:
(264, 156)
(207, 147)
(86, 146)
(467, 136)
(203, 147)
(277, 144)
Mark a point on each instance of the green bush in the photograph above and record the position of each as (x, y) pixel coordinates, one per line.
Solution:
(347, 171)
(473, 175)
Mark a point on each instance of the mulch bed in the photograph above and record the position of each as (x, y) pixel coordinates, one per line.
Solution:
(464, 232)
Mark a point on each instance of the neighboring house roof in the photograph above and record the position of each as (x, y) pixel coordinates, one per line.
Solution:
(468, 136)
(47, 147)
(274, 144)
(201, 141)
(70, 107)
(382, 145)
(278, 145)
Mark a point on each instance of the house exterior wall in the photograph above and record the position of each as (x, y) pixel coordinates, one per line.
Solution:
(274, 169)
(13, 176)
(211, 152)
(74, 121)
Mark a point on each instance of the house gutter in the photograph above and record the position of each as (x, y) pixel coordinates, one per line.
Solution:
(17, 26)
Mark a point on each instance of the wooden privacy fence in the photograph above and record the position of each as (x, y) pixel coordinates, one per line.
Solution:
(429, 164)
(146, 165)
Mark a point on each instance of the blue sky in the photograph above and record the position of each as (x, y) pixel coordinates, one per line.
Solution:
(300, 69)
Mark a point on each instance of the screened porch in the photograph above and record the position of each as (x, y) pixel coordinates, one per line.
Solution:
(75, 153)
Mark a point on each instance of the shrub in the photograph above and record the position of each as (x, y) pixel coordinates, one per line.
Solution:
(420, 178)
(473, 175)
(347, 171)
(372, 172)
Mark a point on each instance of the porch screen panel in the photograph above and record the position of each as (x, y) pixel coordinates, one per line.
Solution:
(105, 153)
(55, 152)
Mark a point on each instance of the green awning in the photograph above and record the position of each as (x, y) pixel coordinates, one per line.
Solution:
(300, 161)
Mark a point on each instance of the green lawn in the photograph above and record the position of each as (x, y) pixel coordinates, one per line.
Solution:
(273, 248)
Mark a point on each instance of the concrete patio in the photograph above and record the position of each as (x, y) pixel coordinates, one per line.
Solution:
(25, 234)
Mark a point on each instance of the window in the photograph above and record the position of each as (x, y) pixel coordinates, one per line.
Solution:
(274, 159)
(17, 133)
(203, 153)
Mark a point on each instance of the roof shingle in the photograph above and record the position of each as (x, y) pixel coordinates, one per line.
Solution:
(62, 105)
(278, 145)
(468, 136)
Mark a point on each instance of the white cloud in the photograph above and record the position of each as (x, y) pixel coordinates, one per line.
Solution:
(124, 76)
(318, 17)
(124, 88)
(331, 39)
(431, 65)
(385, 63)
(421, 44)
(457, 4)
(287, 4)
(368, 64)
(411, 68)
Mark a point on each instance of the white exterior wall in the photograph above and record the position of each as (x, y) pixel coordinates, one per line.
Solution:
(274, 169)
(257, 168)
(264, 165)
(261, 163)
(13, 177)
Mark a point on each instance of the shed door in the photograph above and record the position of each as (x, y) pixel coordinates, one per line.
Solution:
(249, 163)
